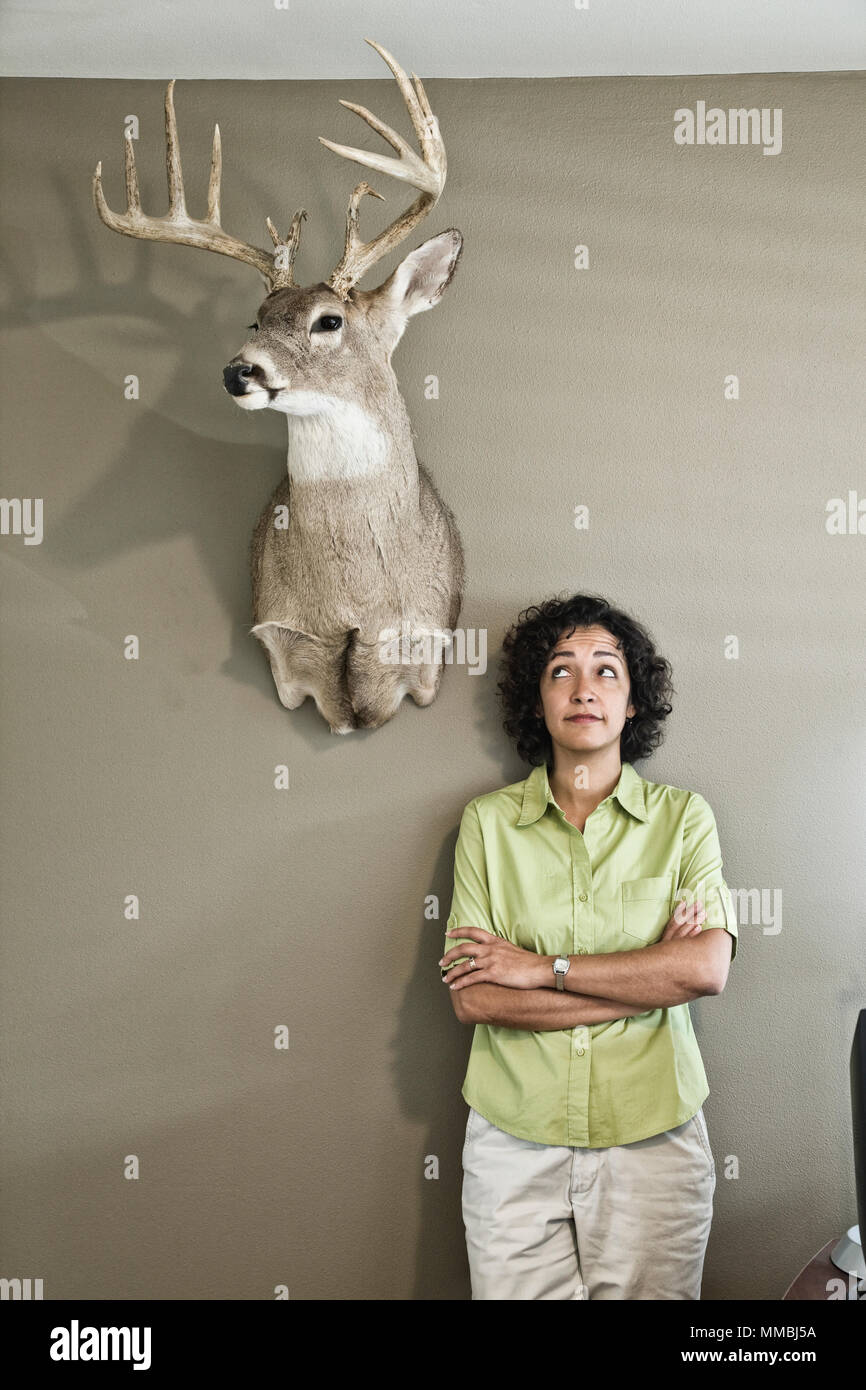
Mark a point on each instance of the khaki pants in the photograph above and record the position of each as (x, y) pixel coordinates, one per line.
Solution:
(627, 1222)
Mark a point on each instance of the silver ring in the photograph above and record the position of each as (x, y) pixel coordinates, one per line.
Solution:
(472, 965)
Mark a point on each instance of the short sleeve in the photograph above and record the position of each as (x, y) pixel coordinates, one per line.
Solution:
(701, 869)
(470, 902)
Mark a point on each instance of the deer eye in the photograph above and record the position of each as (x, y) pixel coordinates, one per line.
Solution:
(328, 323)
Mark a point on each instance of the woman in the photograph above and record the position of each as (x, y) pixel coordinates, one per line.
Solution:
(594, 906)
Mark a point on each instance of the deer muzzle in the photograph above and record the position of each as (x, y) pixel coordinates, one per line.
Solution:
(241, 377)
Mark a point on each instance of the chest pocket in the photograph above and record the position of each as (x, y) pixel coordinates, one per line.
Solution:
(646, 906)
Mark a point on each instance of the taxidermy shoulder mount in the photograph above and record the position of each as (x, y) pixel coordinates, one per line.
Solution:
(357, 565)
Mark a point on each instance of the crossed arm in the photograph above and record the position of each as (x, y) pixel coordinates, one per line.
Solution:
(616, 984)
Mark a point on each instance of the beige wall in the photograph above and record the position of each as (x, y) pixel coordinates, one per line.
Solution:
(306, 907)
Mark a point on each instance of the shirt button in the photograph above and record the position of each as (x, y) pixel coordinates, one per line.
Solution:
(580, 1051)
(583, 897)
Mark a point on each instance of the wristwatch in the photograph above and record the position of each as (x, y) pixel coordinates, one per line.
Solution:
(561, 967)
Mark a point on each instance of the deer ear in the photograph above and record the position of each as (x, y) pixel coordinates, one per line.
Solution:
(421, 279)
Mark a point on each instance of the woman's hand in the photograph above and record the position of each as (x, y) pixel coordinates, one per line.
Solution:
(686, 921)
(497, 962)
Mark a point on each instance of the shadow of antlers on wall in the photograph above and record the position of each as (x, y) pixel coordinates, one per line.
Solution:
(357, 563)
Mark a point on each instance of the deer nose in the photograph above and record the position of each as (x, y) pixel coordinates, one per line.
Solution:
(237, 376)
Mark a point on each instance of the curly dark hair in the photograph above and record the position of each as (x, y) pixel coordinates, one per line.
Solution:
(526, 649)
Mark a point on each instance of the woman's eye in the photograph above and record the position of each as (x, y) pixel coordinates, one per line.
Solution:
(328, 323)
(612, 669)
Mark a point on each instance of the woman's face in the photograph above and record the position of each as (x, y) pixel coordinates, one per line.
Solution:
(585, 675)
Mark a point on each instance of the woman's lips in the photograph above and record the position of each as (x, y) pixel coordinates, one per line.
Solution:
(583, 718)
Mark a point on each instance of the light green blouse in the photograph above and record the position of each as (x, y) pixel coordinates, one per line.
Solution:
(524, 872)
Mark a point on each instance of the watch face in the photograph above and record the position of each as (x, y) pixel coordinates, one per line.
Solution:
(560, 965)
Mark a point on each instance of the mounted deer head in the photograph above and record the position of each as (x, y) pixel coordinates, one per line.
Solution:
(357, 565)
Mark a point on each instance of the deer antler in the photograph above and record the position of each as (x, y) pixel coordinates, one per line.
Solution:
(178, 226)
(426, 173)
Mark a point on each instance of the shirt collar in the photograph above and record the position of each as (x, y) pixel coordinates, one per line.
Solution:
(537, 796)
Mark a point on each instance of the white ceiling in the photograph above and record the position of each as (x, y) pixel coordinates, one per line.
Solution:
(436, 38)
